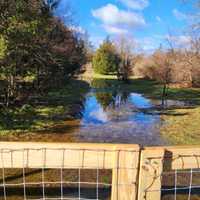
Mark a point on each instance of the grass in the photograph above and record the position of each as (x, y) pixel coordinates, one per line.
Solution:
(57, 110)
(181, 126)
(149, 88)
(44, 113)
(102, 76)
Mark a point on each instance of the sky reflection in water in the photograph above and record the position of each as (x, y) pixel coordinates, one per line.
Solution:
(118, 118)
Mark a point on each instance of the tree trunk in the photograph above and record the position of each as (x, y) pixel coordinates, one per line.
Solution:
(164, 94)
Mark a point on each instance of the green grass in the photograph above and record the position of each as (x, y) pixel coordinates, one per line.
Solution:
(149, 88)
(181, 126)
(101, 76)
(51, 110)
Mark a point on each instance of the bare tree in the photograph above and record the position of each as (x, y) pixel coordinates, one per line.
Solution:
(192, 60)
(165, 62)
(125, 50)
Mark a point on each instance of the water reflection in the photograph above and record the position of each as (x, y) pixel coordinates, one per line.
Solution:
(114, 114)
(105, 107)
(117, 117)
(108, 113)
(94, 112)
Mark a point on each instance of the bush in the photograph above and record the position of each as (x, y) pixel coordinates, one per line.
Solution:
(196, 76)
(106, 60)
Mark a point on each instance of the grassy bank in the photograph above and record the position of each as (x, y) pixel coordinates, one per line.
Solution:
(179, 125)
(149, 88)
(46, 112)
(56, 112)
(182, 126)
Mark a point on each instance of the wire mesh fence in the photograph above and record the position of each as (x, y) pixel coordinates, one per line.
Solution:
(39, 184)
(171, 178)
(181, 185)
(45, 183)
(62, 173)
(98, 172)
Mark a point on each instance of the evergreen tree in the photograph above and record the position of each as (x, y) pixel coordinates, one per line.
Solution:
(34, 43)
(106, 59)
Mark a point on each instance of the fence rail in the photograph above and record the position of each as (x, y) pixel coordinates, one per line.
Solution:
(137, 173)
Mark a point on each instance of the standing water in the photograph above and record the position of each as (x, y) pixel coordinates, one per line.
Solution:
(108, 113)
(119, 117)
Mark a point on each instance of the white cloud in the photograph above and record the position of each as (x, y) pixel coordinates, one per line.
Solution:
(115, 20)
(184, 40)
(112, 15)
(158, 19)
(78, 29)
(99, 115)
(179, 15)
(181, 41)
(135, 4)
(115, 30)
(148, 44)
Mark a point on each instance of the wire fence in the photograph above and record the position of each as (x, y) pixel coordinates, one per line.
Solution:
(53, 189)
(49, 184)
(61, 173)
(170, 183)
(181, 184)
(98, 172)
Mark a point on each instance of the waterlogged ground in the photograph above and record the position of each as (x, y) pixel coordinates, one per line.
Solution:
(109, 111)
(121, 120)
(111, 118)
(122, 117)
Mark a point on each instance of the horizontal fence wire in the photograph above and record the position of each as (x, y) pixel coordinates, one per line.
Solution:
(100, 185)
(82, 174)
(177, 184)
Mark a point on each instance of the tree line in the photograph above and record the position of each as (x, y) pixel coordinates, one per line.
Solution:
(170, 64)
(176, 65)
(37, 50)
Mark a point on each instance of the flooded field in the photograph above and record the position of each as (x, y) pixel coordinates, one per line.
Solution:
(106, 113)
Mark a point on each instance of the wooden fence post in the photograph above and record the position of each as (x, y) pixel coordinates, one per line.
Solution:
(151, 167)
(125, 172)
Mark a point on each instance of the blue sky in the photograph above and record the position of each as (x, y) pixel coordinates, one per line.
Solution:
(146, 22)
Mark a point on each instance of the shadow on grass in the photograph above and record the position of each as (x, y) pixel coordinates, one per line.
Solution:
(55, 192)
(41, 113)
(17, 176)
(64, 127)
(149, 88)
(153, 90)
(165, 111)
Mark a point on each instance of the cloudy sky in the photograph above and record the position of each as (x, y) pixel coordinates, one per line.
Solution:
(146, 22)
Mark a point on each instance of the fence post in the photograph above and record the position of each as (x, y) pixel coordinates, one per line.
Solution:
(151, 167)
(125, 171)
